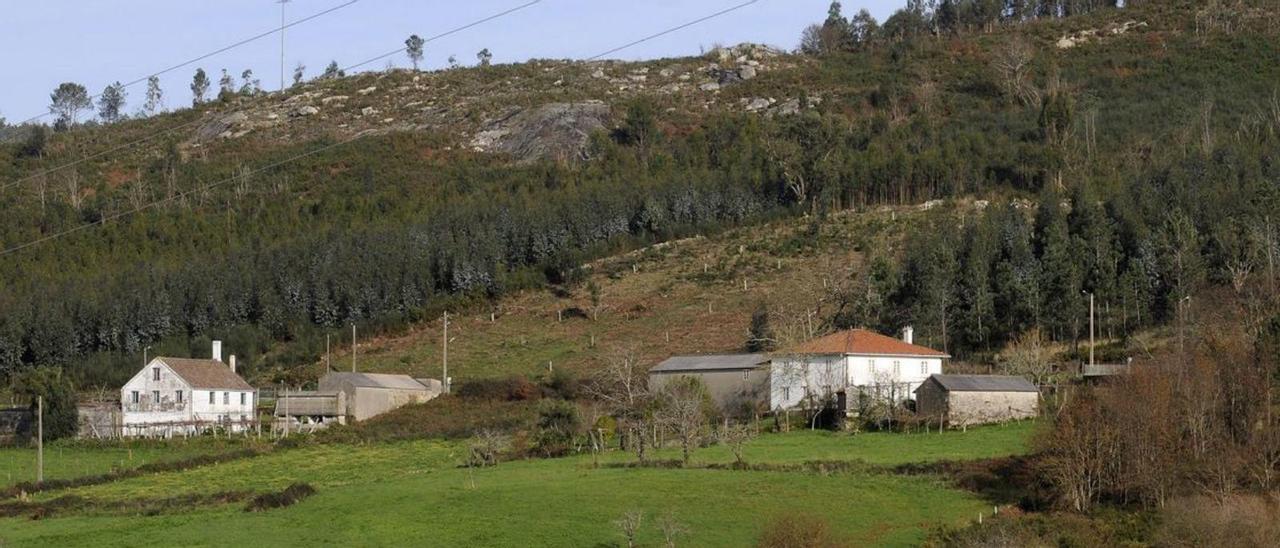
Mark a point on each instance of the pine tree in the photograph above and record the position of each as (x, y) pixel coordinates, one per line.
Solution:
(761, 338)
(199, 87)
(1059, 270)
(111, 103)
(413, 48)
(66, 101)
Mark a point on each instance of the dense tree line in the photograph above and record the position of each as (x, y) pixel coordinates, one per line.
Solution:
(380, 230)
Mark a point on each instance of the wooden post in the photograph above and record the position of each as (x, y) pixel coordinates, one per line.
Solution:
(445, 373)
(39, 439)
(353, 347)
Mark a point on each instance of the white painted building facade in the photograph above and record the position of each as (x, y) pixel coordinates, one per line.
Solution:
(179, 396)
(853, 362)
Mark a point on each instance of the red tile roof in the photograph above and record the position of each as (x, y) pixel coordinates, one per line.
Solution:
(861, 341)
(206, 374)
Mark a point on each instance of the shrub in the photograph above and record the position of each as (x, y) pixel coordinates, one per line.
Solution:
(561, 384)
(796, 530)
(291, 495)
(558, 423)
(513, 388)
(1244, 520)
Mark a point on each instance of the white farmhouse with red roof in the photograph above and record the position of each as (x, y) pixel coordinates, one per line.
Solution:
(853, 362)
(180, 396)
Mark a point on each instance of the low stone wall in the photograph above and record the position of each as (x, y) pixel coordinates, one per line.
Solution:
(12, 421)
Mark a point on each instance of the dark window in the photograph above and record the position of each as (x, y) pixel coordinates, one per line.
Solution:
(242, 395)
(155, 396)
(155, 373)
(178, 396)
(211, 396)
(226, 398)
(133, 398)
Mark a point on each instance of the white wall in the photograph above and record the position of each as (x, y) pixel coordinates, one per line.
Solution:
(195, 406)
(791, 378)
(148, 409)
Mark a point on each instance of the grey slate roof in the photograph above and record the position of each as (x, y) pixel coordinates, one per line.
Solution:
(376, 380)
(710, 362)
(983, 383)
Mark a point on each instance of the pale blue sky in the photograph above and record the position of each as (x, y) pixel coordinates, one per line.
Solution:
(96, 42)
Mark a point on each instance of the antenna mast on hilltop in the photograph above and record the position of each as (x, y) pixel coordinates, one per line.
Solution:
(282, 25)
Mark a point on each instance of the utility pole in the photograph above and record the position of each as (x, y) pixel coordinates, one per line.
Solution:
(39, 439)
(445, 380)
(1091, 329)
(353, 347)
(328, 366)
(282, 25)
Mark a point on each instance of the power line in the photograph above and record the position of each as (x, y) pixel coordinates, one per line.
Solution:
(223, 49)
(354, 138)
(198, 121)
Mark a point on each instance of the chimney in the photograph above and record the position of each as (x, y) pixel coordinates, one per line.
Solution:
(908, 335)
(217, 351)
(233, 363)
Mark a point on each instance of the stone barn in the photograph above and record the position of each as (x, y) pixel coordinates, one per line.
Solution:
(732, 380)
(966, 400)
(371, 394)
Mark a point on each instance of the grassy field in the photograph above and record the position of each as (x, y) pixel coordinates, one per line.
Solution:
(415, 493)
(75, 459)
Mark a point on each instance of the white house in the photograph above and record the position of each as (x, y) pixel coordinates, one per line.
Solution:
(854, 361)
(185, 396)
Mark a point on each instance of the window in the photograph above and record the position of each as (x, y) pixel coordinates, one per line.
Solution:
(226, 398)
(872, 364)
(133, 397)
(897, 368)
(786, 393)
(924, 368)
(242, 395)
(744, 375)
(178, 396)
(211, 401)
(155, 373)
(155, 396)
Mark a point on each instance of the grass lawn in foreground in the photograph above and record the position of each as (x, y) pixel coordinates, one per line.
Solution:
(79, 458)
(413, 493)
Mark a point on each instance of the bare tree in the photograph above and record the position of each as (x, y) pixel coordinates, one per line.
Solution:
(622, 386)
(683, 408)
(1028, 355)
(671, 528)
(1012, 62)
(629, 524)
(735, 437)
(72, 182)
(486, 448)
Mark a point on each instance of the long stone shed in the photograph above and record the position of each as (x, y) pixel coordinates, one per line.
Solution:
(966, 400)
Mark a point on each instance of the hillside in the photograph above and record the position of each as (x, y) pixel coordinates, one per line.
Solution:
(382, 199)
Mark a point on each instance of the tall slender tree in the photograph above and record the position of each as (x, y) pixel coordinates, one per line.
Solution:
(199, 87)
(155, 97)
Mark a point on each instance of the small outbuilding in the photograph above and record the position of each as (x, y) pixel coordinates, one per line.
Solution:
(732, 380)
(368, 395)
(305, 411)
(966, 400)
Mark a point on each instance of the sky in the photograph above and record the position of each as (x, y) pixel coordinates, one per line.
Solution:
(96, 42)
